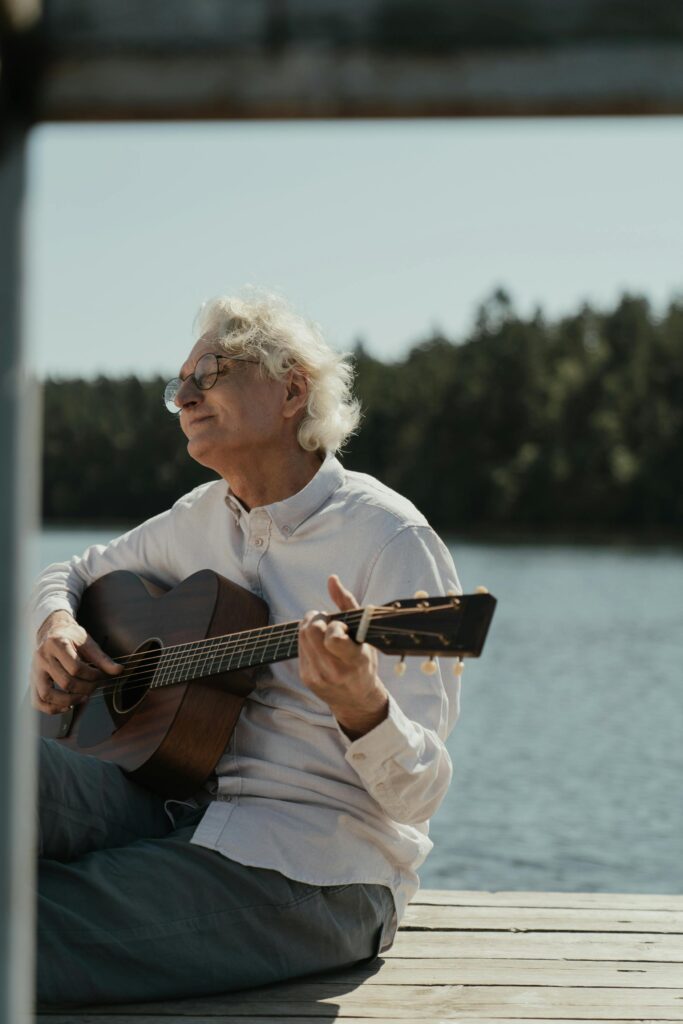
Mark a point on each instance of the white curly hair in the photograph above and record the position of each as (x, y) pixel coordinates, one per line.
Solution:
(265, 328)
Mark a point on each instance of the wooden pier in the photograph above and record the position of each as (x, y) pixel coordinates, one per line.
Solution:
(475, 957)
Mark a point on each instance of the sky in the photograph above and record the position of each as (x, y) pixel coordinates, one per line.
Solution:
(379, 230)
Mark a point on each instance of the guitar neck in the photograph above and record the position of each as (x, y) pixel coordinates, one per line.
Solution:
(217, 655)
(449, 626)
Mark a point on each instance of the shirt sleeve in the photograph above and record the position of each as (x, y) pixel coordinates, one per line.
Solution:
(403, 762)
(147, 550)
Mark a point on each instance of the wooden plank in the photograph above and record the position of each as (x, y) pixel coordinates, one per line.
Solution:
(539, 945)
(559, 900)
(488, 971)
(171, 1018)
(449, 1002)
(543, 919)
(588, 957)
(280, 1019)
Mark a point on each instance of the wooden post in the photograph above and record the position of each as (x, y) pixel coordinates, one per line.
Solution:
(18, 515)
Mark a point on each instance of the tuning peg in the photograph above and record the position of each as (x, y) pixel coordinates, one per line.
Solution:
(481, 590)
(458, 668)
(428, 667)
(400, 667)
(420, 593)
(452, 593)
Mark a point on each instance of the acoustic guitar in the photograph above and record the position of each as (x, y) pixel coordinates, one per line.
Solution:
(190, 656)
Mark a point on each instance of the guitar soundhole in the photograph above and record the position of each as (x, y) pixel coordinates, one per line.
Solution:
(135, 684)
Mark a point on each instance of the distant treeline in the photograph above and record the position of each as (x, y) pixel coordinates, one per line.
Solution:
(530, 423)
(446, 26)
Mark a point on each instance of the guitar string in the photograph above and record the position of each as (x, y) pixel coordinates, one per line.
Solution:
(141, 682)
(348, 617)
(261, 634)
(210, 652)
(263, 637)
(260, 648)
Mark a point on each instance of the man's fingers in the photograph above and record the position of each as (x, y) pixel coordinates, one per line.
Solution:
(337, 640)
(42, 705)
(317, 635)
(62, 685)
(92, 652)
(342, 597)
(67, 666)
(62, 657)
(312, 616)
(46, 698)
(58, 675)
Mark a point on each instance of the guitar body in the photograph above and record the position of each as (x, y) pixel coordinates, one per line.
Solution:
(168, 739)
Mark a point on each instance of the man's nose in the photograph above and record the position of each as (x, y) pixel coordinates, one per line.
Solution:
(188, 393)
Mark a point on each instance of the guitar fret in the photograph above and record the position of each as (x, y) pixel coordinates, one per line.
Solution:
(258, 654)
(205, 658)
(210, 660)
(179, 665)
(242, 654)
(193, 661)
(183, 661)
(170, 656)
(276, 646)
(157, 678)
(278, 642)
(228, 667)
(174, 666)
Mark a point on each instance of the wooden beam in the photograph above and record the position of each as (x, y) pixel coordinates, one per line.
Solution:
(310, 83)
(170, 59)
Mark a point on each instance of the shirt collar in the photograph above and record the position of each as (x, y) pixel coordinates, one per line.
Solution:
(289, 514)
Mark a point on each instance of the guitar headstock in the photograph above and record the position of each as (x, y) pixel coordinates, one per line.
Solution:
(442, 626)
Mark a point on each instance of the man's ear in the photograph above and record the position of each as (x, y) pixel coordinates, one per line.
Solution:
(297, 392)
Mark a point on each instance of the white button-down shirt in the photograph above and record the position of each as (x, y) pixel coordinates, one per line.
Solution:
(292, 792)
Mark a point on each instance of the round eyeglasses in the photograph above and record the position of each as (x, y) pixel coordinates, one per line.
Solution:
(206, 372)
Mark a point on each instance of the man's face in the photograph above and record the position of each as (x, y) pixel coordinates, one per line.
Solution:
(242, 414)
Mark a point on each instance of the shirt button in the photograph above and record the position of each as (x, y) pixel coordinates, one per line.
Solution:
(287, 530)
(259, 542)
(358, 756)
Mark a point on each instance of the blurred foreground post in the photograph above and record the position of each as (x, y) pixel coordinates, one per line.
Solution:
(18, 506)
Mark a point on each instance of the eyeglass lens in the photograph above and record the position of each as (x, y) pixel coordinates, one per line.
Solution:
(204, 376)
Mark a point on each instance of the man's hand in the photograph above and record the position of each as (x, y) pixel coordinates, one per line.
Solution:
(68, 658)
(340, 671)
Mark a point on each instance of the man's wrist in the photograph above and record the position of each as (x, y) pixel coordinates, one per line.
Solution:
(60, 616)
(358, 721)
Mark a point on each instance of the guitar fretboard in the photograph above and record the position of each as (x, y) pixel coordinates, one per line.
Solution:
(216, 655)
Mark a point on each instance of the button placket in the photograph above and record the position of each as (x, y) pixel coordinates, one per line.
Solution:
(258, 538)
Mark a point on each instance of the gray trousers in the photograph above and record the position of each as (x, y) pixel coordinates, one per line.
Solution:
(129, 910)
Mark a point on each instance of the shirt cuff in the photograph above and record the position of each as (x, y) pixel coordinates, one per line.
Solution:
(381, 744)
(47, 607)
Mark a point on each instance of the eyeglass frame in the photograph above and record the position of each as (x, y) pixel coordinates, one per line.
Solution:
(179, 381)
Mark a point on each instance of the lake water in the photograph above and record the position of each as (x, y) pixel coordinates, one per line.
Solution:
(568, 756)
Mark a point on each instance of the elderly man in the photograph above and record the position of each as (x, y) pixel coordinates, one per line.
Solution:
(300, 852)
